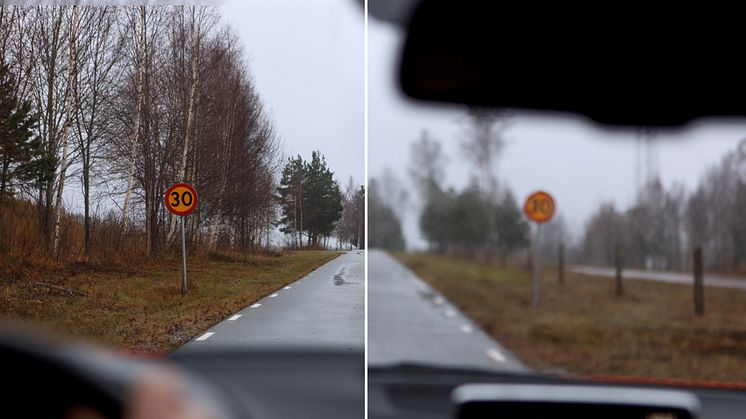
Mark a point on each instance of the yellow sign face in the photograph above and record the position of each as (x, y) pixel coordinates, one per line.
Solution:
(181, 199)
(539, 207)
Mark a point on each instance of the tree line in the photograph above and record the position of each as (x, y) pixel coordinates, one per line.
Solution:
(114, 104)
(665, 225)
(482, 219)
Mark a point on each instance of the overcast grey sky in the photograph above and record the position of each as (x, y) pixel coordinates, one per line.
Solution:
(581, 164)
(307, 59)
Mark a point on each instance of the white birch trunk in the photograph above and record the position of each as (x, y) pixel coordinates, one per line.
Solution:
(226, 161)
(190, 118)
(136, 133)
(66, 130)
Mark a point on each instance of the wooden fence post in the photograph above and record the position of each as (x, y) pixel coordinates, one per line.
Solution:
(561, 264)
(618, 264)
(699, 300)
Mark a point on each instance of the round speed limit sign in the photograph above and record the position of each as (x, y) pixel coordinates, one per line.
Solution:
(181, 199)
(539, 207)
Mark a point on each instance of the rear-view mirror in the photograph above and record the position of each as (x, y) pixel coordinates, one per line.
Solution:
(616, 64)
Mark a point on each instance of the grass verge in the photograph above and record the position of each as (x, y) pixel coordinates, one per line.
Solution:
(581, 327)
(141, 309)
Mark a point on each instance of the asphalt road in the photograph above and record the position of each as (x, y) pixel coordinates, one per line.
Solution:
(709, 280)
(408, 322)
(325, 309)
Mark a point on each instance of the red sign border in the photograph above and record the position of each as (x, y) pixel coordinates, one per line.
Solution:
(191, 189)
(551, 198)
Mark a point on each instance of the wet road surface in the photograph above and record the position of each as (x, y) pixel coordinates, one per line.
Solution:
(325, 309)
(410, 322)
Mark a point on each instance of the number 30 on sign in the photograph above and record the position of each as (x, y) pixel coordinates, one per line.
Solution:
(539, 207)
(181, 199)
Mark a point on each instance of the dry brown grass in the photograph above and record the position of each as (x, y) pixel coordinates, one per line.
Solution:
(139, 307)
(583, 328)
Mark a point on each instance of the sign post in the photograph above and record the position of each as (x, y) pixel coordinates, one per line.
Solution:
(183, 259)
(181, 200)
(539, 208)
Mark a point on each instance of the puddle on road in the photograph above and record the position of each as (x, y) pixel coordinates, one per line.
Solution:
(339, 278)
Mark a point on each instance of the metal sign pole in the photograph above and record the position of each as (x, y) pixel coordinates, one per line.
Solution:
(183, 259)
(537, 268)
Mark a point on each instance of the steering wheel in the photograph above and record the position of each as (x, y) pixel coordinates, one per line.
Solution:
(44, 378)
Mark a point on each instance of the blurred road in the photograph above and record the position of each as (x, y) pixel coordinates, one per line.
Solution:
(659, 276)
(409, 322)
(325, 309)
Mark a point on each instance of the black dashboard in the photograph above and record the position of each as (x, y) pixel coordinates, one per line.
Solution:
(428, 393)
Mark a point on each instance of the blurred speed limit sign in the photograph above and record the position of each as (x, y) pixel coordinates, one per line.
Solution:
(539, 207)
(181, 199)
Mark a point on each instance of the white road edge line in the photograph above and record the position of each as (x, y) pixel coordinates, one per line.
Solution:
(466, 328)
(257, 305)
(235, 317)
(274, 295)
(495, 355)
(206, 335)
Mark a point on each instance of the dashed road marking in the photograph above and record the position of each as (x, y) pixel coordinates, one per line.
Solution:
(206, 335)
(274, 295)
(235, 317)
(257, 305)
(466, 328)
(287, 288)
(495, 355)
(438, 300)
(449, 313)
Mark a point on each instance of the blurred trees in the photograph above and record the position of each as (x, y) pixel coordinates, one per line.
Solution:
(482, 219)
(460, 222)
(650, 234)
(384, 226)
(714, 213)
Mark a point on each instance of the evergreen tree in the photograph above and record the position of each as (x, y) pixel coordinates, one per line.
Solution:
(310, 199)
(290, 195)
(322, 199)
(21, 159)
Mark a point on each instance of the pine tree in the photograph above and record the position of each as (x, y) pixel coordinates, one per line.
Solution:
(290, 196)
(310, 199)
(322, 199)
(20, 152)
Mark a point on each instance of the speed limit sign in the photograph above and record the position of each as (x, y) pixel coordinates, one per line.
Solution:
(539, 207)
(181, 199)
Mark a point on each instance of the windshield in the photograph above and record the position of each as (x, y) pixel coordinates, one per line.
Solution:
(594, 277)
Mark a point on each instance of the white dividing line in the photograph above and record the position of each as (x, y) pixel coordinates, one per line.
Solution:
(438, 300)
(256, 305)
(235, 317)
(466, 328)
(287, 288)
(206, 335)
(274, 295)
(449, 313)
(495, 355)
